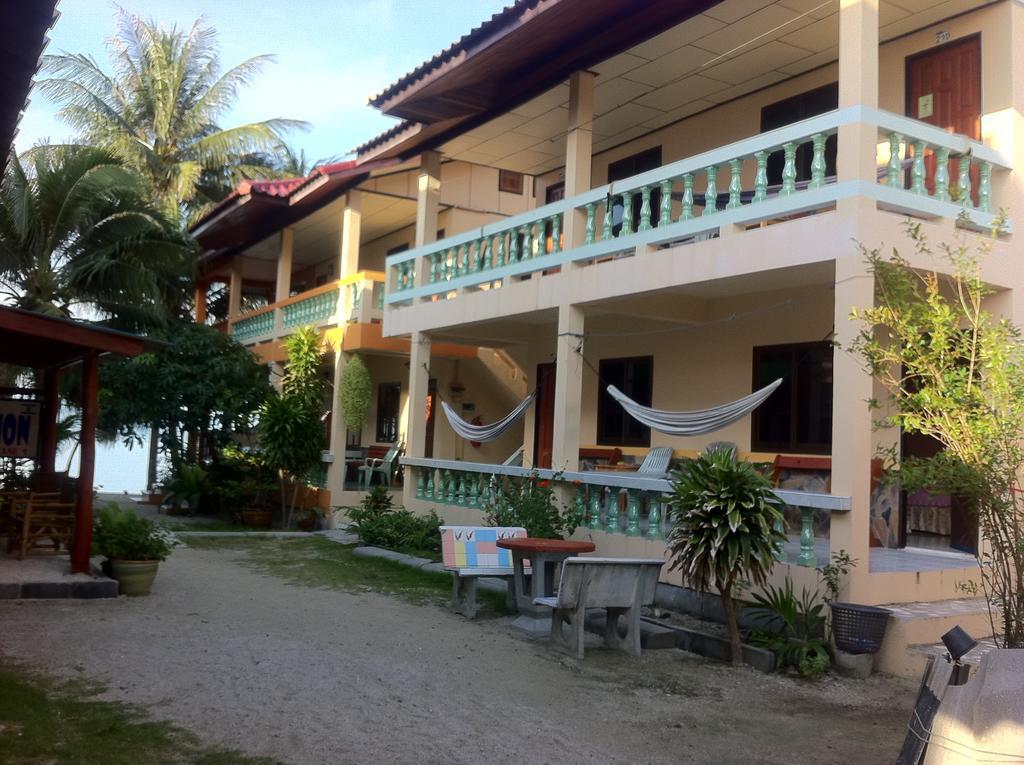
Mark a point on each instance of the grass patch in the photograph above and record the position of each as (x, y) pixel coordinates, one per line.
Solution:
(319, 562)
(45, 721)
(208, 525)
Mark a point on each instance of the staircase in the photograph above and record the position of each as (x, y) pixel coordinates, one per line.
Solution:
(915, 630)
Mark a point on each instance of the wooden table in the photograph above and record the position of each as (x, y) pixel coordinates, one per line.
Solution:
(618, 467)
(545, 556)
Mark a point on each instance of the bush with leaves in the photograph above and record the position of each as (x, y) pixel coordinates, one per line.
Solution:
(291, 434)
(726, 521)
(120, 534)
(380, 524)
(792, 627)
(355, 393)
(532, 503)
(955, 372)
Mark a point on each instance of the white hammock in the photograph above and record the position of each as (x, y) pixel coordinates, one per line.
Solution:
(697, 422)
(484, 433)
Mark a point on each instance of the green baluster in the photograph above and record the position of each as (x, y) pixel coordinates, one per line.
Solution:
(627, 214)
(665, 213)
(556, 233)
(942, 174)
(420, 484)
(788, 169)
(612, 512)
(462, 260)
(761, 176)
(632, 513)
(735, 186)
(579, 506)
(449, 263)
(588, 237)
(818, 161)
(429, 491)
(654, 517)
(917, 169)
(964, 181)
(449, 488)
(645, 208)
(513, 248)
(893, 175)
(595, 507)
(807, 555)
(687, 213)
(607, 228)
(985, 187)
(711, 192)
(527, 251)
(499, 258)
(474, 490)
(460, 491)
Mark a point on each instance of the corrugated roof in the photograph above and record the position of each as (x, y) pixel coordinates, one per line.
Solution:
(500, 19)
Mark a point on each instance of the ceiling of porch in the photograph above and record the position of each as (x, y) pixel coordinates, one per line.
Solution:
(732, 49)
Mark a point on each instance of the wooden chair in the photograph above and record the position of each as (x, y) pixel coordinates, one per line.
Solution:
(39, 517)
(384, 466)
(622, 586)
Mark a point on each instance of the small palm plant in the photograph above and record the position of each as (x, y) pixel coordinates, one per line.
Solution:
(726, 528)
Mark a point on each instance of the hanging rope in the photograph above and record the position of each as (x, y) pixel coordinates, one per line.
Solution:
(697, 422)
(484, 433)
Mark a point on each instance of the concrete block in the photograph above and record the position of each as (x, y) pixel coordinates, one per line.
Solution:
(10, 590)
(98, 588)
(653, 636)
(856, 665)
(46, 590)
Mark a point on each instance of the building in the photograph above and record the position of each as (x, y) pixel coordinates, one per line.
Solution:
(702, 174)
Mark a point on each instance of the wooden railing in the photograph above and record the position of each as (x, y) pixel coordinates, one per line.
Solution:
(358, 297)
(617, 503)
(694, 198)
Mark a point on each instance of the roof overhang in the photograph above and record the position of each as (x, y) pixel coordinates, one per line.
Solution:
(35, 340)
(21, 47)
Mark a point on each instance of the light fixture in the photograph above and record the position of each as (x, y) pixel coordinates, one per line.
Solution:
(958, 643)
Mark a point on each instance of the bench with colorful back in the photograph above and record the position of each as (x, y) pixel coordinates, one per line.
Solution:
(470, 552)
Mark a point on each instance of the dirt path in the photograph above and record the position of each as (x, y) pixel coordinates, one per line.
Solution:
(320, 676)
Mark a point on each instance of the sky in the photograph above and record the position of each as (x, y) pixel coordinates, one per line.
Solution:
(331, 56)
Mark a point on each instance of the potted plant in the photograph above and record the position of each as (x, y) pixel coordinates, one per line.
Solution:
(133, 546)
(307, 518)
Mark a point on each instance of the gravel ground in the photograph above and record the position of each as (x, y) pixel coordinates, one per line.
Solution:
(307, 675)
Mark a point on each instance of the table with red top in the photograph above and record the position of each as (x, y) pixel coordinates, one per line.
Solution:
(545, 556)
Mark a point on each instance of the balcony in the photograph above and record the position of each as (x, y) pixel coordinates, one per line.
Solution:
(922, 172)
(355, 299)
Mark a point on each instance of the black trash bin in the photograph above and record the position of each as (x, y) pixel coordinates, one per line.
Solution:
(857, 628)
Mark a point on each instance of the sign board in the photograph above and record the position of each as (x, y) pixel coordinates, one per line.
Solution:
(19, 428)
(925, 106)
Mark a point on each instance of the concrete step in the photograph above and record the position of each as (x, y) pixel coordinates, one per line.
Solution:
(916, 626)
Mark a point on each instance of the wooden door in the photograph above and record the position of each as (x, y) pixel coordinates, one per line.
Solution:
(428, 446)
(544, 417)
(944, 89)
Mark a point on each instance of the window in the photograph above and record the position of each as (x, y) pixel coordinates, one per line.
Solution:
(634, 377)
(626, 168)
(801, 107)
(798, 416)
(389, 400)
(510, 182)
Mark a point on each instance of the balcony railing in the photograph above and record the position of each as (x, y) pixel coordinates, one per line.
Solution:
(616, 503)
(357, 298)
(922, 171)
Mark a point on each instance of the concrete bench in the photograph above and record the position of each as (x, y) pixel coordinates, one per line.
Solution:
(470, 552)
(622, 586)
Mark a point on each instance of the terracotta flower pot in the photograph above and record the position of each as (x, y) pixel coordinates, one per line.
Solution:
(135, 577)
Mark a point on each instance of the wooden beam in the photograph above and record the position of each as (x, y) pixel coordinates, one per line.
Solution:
(82, 542)
(68, 332)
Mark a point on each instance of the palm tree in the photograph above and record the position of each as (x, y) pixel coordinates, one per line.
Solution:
(159, 110)
(80, 236)
(292, 162)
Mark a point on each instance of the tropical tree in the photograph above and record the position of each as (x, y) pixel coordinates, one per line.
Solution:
(292, 162)
(80, 236)
(726, 529)
(159, 110)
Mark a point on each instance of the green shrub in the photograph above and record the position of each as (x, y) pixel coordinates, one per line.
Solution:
(186, 488)
(120, 534)
(380, 524)
(792, 627)
(531, 503)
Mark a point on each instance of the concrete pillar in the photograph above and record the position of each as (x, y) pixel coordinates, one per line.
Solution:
(419, 385)
(283, 283)
(568, 389)
(351, 220)
(339, 431)
(578, 151)
(428, 203)
(235, 289)
(858, 86)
